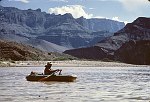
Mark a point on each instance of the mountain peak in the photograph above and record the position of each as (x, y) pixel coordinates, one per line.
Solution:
(143, 22)
(39, 10)
(68, 15)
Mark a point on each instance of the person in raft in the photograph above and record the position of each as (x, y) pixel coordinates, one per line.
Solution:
(49, 71)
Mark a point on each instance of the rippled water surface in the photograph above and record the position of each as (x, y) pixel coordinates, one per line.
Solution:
(94, 84)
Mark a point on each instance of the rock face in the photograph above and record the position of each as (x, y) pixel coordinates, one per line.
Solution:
(134, 52)
(15, 51)
(53, 32)
(20, 52)
(94, 53)
(96, 24)
(137, 31)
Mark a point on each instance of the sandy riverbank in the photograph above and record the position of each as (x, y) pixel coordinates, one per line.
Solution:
(75, 63)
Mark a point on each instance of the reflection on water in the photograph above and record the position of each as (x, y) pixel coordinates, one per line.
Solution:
(94, 84)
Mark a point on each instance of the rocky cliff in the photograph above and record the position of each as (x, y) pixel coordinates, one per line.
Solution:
(102, 24)
(94, 53)
(137, 31)
(134, 52)
(53, 32)
(15, 51)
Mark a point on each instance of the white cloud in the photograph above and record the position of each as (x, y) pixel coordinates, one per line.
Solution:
(117, 19)
(24, 1)
(59, 0)
(99, 17)
(76, 11)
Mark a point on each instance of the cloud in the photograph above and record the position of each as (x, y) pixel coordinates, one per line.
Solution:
(24, 1)
(117, 19)
(76, 11)
(58, 0)
(100, 17)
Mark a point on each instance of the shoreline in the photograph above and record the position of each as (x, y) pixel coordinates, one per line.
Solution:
(68, 63)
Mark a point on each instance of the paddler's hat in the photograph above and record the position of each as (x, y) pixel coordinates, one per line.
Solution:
(48, 64)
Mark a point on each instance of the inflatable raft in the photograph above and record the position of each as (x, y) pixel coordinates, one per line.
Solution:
(42, 77)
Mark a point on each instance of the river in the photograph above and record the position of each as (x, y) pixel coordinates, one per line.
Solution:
(93, 84)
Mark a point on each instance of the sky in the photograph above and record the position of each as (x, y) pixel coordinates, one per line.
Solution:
(120, 10)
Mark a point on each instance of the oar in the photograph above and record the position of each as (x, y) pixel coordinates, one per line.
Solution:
(43, 79)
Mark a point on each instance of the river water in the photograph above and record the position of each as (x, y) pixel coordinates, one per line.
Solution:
(94, 84)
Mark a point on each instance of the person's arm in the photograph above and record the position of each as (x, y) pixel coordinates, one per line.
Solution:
(59, 69)
(53, 71)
